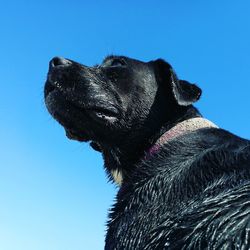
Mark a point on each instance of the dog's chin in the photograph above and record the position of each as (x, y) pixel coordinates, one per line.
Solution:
(79, 121)
(67, 115)
(75, 135)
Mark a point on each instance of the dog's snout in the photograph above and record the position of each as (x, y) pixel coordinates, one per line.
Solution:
(59, 61)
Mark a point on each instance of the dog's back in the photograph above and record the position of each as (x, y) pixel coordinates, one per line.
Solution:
(197, 196)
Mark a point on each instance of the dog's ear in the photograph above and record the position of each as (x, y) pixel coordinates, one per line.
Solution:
(184, 93)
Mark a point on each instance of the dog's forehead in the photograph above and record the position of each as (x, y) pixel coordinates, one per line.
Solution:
(128, 59)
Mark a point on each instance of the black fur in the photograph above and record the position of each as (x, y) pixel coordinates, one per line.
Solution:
(194, 193)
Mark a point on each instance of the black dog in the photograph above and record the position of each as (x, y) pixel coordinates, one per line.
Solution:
(184, 183)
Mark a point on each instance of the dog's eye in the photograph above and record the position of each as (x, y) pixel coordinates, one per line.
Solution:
(117, 63)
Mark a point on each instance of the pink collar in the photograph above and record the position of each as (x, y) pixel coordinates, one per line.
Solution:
(180, 129)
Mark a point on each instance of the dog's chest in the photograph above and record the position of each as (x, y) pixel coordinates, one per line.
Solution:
(136, 214)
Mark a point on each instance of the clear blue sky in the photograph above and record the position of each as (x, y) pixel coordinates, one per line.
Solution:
(53, 192)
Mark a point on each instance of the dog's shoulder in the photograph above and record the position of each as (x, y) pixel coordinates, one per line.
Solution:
(208, 222)
(187, 183)
(212, 188)
(187, 166)
(202, 158)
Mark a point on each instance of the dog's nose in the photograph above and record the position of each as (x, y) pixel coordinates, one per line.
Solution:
(59, 61)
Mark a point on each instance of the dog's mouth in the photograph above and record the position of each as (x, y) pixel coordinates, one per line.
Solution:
(102, 114)
(76, 116)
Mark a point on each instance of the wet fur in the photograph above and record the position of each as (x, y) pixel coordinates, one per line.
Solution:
(194, 193)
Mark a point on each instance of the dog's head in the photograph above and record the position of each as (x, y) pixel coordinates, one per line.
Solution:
(118, 101)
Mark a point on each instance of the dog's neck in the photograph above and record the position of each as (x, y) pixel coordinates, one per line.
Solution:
(121, 159)
(179, 129)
